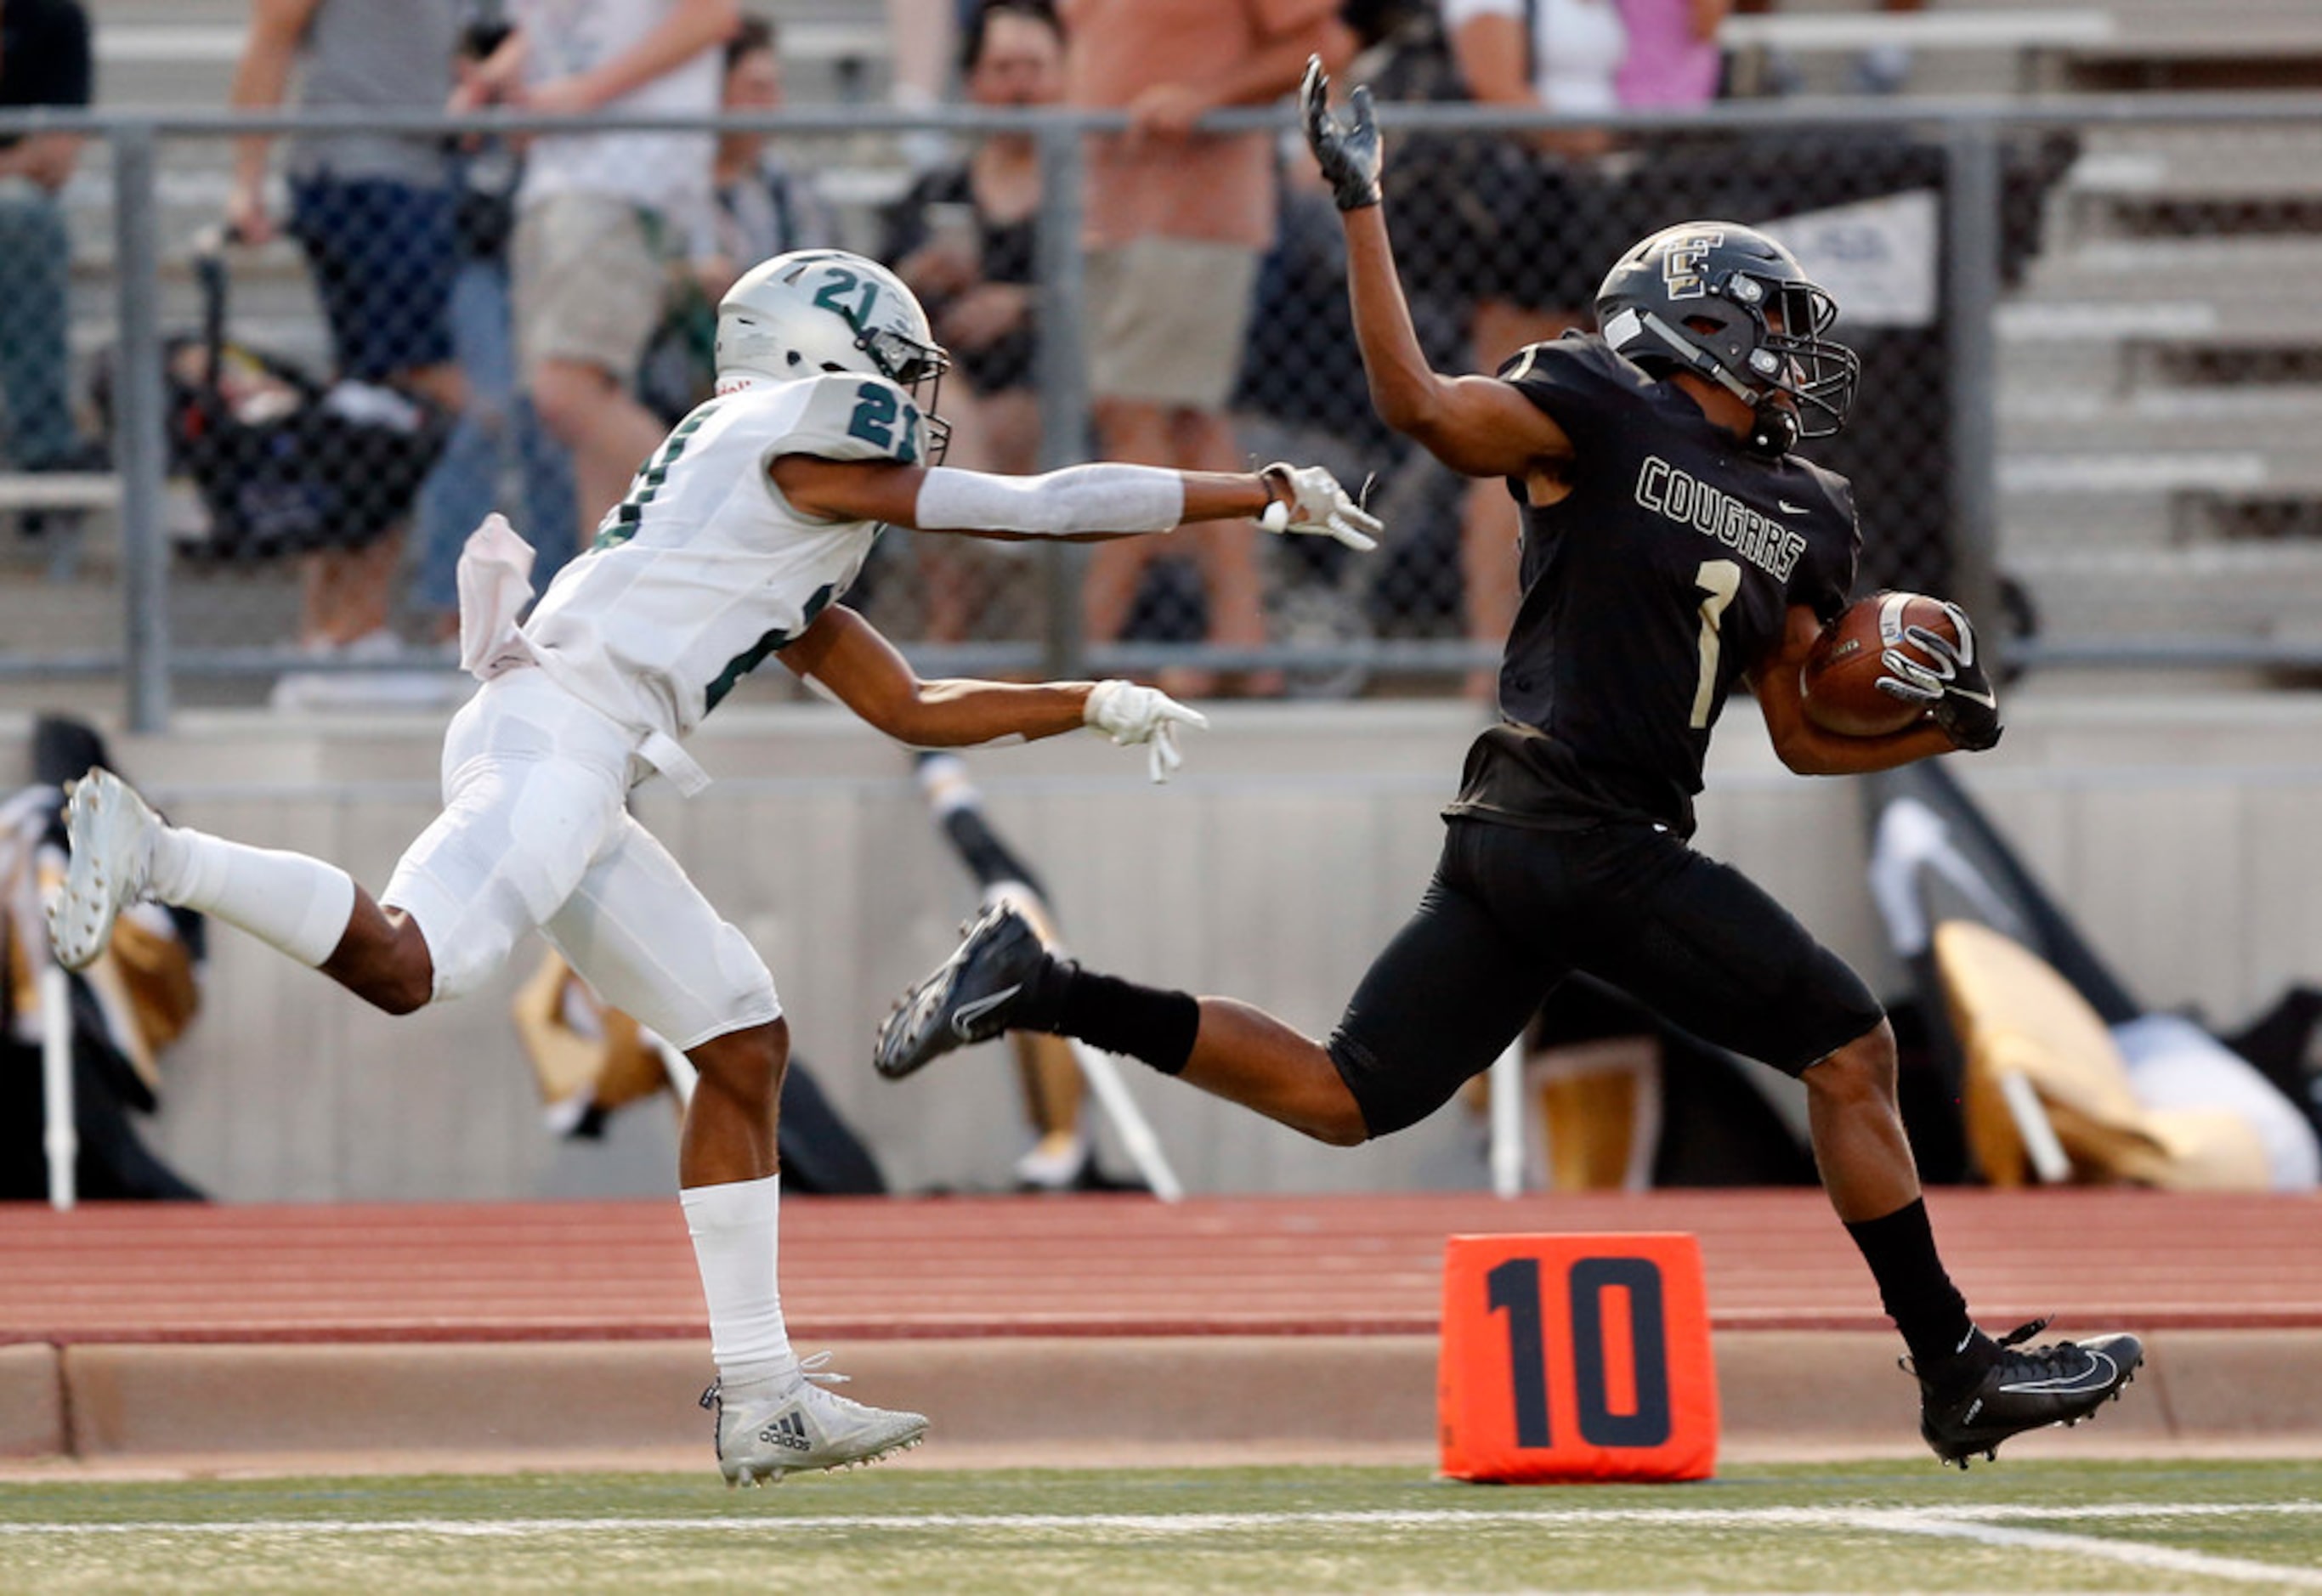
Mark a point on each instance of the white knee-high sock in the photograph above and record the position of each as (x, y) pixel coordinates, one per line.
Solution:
(735, 1227)
(296, 903)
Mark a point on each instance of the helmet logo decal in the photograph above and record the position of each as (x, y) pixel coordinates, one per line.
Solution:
(842, 281)
(1682, 259)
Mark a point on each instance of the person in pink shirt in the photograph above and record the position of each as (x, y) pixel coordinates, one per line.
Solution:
(1673, 59)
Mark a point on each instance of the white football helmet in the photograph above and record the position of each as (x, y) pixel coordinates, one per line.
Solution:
(813, 311)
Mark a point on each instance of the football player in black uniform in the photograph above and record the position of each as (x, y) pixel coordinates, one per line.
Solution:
(1672, 547)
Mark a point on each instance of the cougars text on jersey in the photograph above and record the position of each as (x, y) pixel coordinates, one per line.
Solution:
(1674, 492)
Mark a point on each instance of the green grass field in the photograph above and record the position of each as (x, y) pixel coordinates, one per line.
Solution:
(1887, 1528)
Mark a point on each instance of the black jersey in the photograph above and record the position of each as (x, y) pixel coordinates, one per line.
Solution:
(1665, 574)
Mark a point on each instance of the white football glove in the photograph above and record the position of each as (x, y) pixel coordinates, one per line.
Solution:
(1319, 505)
(1127, 713)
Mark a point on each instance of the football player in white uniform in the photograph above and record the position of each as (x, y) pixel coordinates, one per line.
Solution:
(733, 540)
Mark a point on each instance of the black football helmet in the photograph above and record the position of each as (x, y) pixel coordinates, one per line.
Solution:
(1728, 304)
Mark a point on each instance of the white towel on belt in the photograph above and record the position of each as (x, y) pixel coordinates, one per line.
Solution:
(494, 585)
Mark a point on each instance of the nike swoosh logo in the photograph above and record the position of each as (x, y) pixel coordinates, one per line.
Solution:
(965, 1017)
(1790, 510)
(2094, 1377)
(1988, 700)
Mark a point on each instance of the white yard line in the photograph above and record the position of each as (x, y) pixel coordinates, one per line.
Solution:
(2172, 1559)
(1972, 1522)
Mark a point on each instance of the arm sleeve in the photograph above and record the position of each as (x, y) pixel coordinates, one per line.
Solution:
(1102, 497)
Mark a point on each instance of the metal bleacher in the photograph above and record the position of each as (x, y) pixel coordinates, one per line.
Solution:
(2160, 366)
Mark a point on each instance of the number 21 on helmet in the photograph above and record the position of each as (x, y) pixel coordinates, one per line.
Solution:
(814, 311)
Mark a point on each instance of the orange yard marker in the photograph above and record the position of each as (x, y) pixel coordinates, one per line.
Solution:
(1576, 1357)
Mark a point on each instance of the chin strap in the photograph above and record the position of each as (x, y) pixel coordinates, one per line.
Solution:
(1699, 359)
(1773, 429)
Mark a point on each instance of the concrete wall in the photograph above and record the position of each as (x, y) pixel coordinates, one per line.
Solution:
(2180, 832)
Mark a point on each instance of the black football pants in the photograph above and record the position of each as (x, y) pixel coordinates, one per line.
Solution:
(1513, 910)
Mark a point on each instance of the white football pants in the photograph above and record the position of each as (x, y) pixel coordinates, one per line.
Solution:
(535, 834)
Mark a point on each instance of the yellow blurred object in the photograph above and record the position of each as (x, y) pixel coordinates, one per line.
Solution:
(2019, 1020)
(144, 981)
(1600, 1117)
(578, 1048)
(157, 972)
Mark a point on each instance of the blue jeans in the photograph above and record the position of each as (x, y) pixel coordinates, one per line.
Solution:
(499, 427)
(35, 360)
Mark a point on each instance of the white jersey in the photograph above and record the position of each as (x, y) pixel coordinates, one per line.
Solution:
(703, 570)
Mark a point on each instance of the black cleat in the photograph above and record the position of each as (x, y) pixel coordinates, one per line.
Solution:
(973, 996)
(2025, 1390)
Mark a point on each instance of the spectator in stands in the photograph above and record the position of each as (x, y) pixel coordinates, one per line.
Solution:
(499, 422)
(764, 208)
(761, 207)
(1176, 222)
(965, 239)
(601, 215)
(1540, 261)
(1673, 59)
(44, 60)
(921, 40)
(374, 214)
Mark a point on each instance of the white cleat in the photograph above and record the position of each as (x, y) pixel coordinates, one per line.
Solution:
(110, 833)
(763, 1433)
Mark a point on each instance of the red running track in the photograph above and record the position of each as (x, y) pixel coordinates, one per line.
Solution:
(1096, 1265)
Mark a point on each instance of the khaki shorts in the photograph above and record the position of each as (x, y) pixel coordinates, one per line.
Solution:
(1167, 320)
(589, 283)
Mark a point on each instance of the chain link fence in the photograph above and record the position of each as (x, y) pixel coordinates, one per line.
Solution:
(2091, 357)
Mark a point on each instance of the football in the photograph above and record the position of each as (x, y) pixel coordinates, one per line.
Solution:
(1839, 680)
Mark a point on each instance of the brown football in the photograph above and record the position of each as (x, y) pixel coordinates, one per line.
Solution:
(1839, 679)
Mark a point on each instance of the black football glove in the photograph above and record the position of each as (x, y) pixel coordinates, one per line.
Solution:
(1944, 679)
(1346, 143)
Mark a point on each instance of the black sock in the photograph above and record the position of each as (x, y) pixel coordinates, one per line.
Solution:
(1146, 1023)
(1918, 1294)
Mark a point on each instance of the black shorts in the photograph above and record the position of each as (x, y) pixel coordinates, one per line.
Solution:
(1512, 911)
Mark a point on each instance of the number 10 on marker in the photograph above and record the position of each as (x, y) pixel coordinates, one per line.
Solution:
(1570, 1357)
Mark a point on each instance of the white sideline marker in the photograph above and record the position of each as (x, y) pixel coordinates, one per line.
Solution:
(1507, 1121)
(61, 1123)
(1128, 1122)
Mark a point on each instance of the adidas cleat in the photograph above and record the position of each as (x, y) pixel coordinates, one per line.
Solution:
(109, 832)
(763, 1433)
(2027, 1389)
(973, 997)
